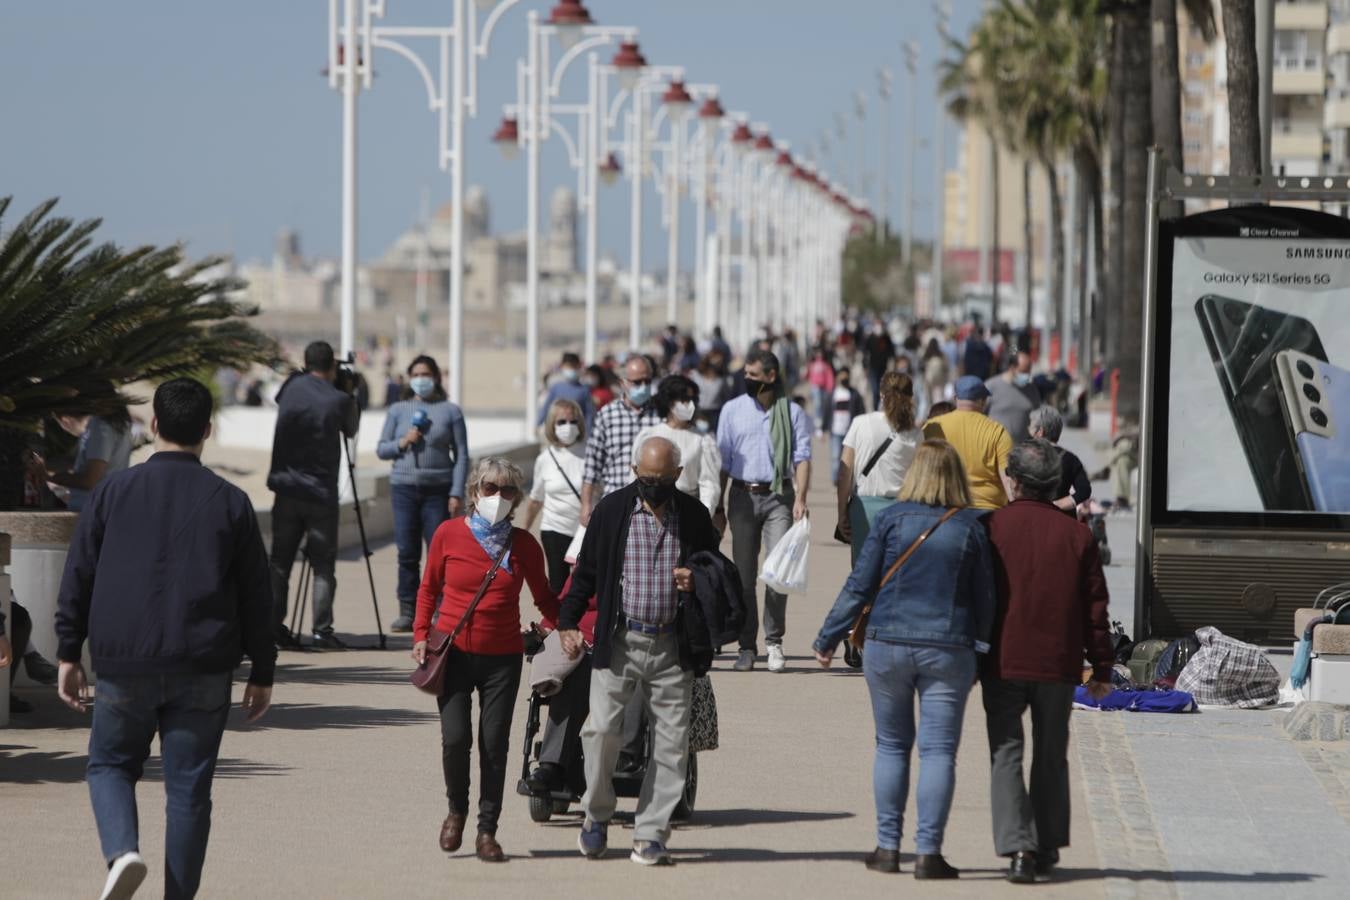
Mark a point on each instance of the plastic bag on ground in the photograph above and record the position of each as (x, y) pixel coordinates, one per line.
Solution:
(785, 567)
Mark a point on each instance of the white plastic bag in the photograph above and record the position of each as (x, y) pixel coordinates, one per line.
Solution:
(785, 566)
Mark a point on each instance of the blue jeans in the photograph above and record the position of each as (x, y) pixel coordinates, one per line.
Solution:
(942, 678)
(418, 512)
(189, 713)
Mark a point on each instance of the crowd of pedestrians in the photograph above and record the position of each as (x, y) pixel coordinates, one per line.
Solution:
(951, 493)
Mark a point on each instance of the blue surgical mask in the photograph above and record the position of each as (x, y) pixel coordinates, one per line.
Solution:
(423, 386)
(1021, 379)
(639, 394)
(571, 374)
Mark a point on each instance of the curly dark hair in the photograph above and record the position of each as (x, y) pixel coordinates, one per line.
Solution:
(674, 389)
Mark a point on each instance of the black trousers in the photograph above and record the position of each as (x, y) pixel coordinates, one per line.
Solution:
(1035, 820)
(497, 680)
(555, 548)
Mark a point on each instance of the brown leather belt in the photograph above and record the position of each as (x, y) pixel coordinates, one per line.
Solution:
(753, 487)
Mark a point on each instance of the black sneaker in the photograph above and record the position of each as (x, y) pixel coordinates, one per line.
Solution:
(547, 778)
(287, 641)
(328, 641)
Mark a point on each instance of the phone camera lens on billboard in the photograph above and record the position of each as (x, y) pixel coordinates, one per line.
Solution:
(1319, 418)
(1304, 369)
(1312, 393)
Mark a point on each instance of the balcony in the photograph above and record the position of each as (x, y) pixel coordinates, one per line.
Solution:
(1337, 113)
(1338, 38)
(1296, 16)
(1300, 143)
(1295, 75)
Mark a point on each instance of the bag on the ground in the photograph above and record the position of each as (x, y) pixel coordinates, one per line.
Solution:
(703, 717)
(784, 568)
(1144, 660)
(1136, 701)
(1228, 672)
(1173, 659)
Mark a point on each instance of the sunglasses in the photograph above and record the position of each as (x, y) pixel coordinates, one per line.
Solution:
(566, 422)
(489, 488)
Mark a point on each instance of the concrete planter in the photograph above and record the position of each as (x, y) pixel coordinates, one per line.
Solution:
(39, 541)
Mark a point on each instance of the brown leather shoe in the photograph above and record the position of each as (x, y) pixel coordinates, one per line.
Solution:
(488, 848)
(452, 832)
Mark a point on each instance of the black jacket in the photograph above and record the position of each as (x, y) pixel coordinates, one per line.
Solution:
(167, 574)
(717, 590)
(306, 449)
(599, 571)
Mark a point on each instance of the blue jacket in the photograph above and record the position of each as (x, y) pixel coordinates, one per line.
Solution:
(167, 574)
(440, 458)
(944, 595)
(578, 393)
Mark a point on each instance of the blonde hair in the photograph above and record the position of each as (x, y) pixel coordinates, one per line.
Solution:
(936, 477)
(558, 408)
(497, 469)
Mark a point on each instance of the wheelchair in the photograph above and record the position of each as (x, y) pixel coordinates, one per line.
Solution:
(544, 806)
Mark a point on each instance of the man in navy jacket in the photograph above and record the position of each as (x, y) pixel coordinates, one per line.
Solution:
(168, 581)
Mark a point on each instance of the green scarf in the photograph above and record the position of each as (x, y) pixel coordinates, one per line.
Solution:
(780, 438)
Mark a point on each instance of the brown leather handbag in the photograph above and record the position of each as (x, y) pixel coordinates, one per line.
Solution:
(430, 675)
(857, 635)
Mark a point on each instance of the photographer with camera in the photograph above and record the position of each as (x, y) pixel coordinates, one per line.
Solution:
(315, 411)
(425, 438)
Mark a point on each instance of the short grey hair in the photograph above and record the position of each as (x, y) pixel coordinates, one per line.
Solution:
(1047, 420)
(674, 448)
(1036, 467)
(497, 469)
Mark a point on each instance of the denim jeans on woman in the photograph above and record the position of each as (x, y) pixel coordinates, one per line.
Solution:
(188, 712)
(418, 512)
(941, 678)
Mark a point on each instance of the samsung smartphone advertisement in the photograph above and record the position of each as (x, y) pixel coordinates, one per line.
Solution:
(1257, 380)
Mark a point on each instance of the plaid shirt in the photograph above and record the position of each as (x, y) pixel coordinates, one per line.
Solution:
(649, 561)
(609, 452)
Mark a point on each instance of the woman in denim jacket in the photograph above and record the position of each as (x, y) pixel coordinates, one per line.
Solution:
(925, 629)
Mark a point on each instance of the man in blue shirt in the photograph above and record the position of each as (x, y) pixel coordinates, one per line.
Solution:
(765, 440)
(569, 387)
(168, 581)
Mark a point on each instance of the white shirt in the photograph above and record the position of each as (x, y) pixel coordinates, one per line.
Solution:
(700, 457)
(562, 507)
(865, 435)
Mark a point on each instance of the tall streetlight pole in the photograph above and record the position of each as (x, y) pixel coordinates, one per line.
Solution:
(944, 15)
(911, 49)
(675, 102)
(709, 114)
(351, 57)
(884, 80)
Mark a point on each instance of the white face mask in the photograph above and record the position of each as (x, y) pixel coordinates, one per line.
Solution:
(684, 410)
(567, 434)
(494, 508)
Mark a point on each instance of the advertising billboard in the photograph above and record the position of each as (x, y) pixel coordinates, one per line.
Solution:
(1252, 394)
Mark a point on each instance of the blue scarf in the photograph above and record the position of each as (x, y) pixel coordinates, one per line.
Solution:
(492, 538)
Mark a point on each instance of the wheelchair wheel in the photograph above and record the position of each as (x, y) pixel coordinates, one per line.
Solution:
(541, 808)
(684, 810)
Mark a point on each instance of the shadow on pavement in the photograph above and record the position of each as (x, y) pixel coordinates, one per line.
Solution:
(724, 818)
(1186, 875)
(684, 855)
(43, 767)
(311, 716)
(290, 673)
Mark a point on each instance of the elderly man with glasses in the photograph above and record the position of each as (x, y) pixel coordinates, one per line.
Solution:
(610, 450)
(634, 561)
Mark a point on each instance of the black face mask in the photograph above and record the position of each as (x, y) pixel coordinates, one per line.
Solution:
(656, 494)
(760, 389)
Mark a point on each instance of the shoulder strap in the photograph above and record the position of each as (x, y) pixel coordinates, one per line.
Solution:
(563, 473)
(895, 566)
(482, 589)
(876, 455)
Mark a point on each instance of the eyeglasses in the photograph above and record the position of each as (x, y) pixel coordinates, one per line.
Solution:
(489, 488)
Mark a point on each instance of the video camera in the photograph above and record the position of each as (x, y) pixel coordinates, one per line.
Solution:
(346, 380)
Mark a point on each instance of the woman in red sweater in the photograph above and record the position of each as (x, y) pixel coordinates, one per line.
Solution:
(486, 656)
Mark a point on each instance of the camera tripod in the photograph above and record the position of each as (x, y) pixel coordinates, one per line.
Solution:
(307, 571)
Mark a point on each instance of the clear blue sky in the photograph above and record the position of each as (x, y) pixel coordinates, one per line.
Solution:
(209, 122)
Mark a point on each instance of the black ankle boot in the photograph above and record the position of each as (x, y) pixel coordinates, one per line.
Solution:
(880, 860)
(931, 866)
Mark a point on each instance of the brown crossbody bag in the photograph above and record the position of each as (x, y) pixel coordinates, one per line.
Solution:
(857, 635)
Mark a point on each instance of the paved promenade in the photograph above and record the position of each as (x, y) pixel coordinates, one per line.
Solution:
(338, 792)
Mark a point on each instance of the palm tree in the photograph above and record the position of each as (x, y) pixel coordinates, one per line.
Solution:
(82, 321)
(1166, 85)
(1244, 122)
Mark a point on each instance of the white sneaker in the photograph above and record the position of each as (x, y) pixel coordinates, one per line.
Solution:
(776, 658)
(124, 877)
